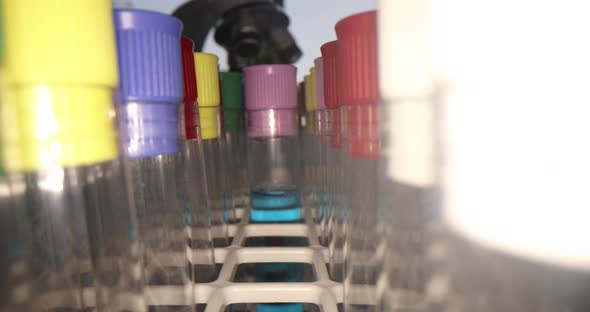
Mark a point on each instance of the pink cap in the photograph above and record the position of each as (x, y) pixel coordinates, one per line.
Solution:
(271, 100)
(357, 59)
(319, 71)
(270, 86)
(330, 74)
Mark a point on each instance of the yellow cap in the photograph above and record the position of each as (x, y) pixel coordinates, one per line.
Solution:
(313, 93)
(44, 127)
(308, 103)
(60, 68)
(209, 122)
(207, 74)
(60, 41)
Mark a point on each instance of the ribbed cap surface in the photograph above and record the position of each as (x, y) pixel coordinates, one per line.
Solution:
(357, 59)
(207, 72)
(271, 100)
(60, 41)
(149, 56)
(330, 74)
(231, 90)
(270, 87)
(188, 70)
(319, 67)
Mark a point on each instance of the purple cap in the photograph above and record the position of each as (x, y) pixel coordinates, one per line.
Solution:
(151, 81)
(271, 100)
(319, 72)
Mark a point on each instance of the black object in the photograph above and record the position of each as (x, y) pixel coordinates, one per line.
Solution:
(252, 31)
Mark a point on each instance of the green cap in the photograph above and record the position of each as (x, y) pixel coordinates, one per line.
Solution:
(231, 90)
(231, 95)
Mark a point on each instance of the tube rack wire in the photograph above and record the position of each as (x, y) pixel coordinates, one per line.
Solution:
(217, 295)
(222, 292)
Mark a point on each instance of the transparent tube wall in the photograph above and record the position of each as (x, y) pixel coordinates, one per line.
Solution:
(200, 238)
(273, 164)
(75, 231)
(160, 191)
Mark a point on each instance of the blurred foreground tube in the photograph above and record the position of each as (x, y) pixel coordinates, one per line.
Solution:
(151, 92)
(359, 97)
(485, 167)
(76, 224)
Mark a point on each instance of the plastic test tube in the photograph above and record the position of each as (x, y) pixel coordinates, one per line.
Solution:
(335, 226)
(15, 245)
(321, 126)
(208, 101)
(201, 241)
(273, 162)
(359, 96)
(60, 152)
(235, 137)
(151, 90)
(309, 145)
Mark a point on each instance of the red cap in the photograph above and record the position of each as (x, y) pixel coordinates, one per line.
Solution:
(330, 74)
(357, 59)
(363, 131)
(188, 70)
(191, 111)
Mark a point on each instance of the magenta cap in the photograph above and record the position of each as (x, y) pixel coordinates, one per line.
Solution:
(319, 71)
(271, 100)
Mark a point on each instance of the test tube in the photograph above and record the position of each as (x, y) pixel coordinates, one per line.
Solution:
(208, 101)
(273, 162)
(61, 158)
(358, 88)
(273, 155)
(310, 147)
(151, 91)
(235, 138)
(200, 238)
(322, 131)
(335, 227)
(14, 234)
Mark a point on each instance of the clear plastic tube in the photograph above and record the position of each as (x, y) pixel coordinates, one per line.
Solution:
(217, 186)
(341, 202)
(273, 164)
(155, 163)
(236, 143)
(310, 156)
(84, 247)
(15, 249)
(202, 258)
(363, 262)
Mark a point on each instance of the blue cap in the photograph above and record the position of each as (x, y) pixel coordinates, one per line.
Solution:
(150, 70)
